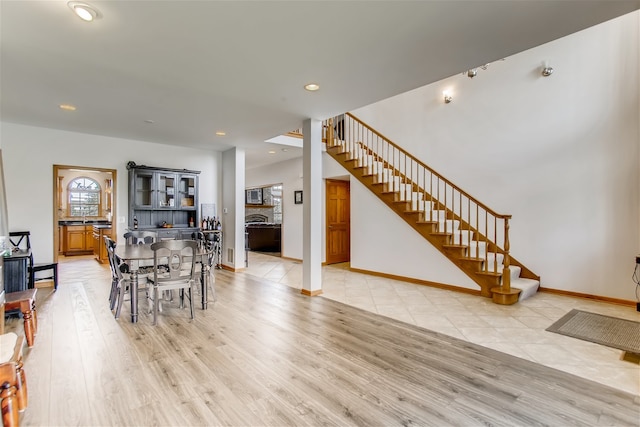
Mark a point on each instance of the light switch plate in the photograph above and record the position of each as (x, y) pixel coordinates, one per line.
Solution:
(121, 220)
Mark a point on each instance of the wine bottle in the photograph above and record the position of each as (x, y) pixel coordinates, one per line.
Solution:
(135, 222)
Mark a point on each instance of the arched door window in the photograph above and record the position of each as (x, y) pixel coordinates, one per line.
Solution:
(84, 197)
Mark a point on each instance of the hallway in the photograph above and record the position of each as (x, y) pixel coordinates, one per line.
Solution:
(518, 330)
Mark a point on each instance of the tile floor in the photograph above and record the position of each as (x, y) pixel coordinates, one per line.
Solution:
(518, 330)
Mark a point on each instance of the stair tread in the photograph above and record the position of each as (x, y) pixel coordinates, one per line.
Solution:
(466, 258)
(525, 280)
(489, 273)
(454, 246)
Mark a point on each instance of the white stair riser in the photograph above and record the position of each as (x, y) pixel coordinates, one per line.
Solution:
(449, 225)
(398, 187)
(435, 215)
(463, 237)
(514, 272)
(410, 196)
(384, 174)
(375, 168)
(529, 287)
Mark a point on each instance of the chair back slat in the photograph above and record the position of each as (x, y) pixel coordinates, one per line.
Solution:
(20, 240)
(177, 256)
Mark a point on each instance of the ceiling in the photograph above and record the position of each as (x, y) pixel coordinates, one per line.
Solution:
(197, 67)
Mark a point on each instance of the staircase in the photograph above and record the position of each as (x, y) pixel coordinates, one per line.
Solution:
(468, 233)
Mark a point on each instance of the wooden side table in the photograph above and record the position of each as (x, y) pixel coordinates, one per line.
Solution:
(25, 301)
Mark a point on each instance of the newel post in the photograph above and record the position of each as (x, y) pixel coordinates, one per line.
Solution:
(504, 294)
(329, 134)
(506, 276)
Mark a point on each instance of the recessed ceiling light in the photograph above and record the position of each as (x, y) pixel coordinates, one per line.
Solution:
(221, 133)
(285, 149)
(84, 11)
(149, 121)
(272, 152)
(67, 107)
(312, 87)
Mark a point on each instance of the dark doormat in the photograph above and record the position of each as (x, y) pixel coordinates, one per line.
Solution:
(606, 330)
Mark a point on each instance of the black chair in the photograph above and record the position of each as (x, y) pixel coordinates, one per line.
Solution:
(20, 240)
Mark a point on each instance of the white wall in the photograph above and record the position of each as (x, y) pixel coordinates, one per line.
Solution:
(559, 153)
(29, 154)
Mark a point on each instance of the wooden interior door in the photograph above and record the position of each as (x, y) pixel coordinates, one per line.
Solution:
(338, 221)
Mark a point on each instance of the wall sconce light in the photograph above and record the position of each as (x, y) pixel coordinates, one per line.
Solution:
(447, 97)
(547, 71)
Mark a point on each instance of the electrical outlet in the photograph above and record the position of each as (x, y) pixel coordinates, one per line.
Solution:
(121, 220)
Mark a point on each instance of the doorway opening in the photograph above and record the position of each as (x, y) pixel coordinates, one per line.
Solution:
(83, 197)
(263, 219)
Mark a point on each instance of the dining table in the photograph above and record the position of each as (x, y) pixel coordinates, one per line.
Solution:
(134, 254)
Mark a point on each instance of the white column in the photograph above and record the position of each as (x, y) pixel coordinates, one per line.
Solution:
(232, 210)
(312, 207)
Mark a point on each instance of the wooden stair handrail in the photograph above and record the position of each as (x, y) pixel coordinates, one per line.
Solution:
(440, 176)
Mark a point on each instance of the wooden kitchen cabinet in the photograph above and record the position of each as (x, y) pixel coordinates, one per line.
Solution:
(99, 246)
(78, 239)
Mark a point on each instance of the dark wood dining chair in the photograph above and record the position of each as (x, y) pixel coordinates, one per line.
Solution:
(13, 382)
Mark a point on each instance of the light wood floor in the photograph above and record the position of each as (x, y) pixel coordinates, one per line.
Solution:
(264, 355)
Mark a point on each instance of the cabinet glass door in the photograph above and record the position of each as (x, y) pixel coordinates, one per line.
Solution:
(166, 191)
(187, 191)
(143, 189)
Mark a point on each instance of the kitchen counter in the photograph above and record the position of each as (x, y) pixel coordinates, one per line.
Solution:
(101, 226)
(264, 237)
(87, 222)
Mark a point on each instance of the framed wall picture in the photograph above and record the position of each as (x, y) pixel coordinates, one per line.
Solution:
(297, 197)
(253, 196)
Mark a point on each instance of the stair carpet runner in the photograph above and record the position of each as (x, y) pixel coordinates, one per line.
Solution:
(476, 249)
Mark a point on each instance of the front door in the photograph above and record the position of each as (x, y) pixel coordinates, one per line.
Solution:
(338, 221)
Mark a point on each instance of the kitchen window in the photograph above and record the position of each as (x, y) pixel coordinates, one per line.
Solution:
(84, 197)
